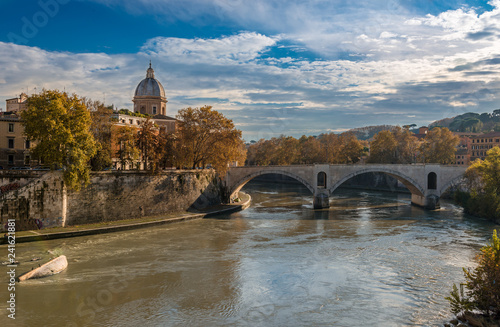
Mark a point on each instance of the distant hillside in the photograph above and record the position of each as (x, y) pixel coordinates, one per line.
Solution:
(471, 122)
(365, 133)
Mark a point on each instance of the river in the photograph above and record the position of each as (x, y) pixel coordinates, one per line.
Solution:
(372, 259)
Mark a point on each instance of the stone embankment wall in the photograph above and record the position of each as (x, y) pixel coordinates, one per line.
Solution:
(110, 196)
(39, 203)
(11, 180)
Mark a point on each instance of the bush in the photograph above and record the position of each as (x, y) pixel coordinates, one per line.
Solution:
(481, 291)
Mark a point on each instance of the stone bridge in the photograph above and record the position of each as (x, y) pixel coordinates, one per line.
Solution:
(426, 182)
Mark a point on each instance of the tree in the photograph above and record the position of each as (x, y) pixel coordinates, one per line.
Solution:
(101, 129)
(383, 148)
(310, 150)
(489, 170)
(150, 144)
(287, 150)
(60, 125)
(483, 181)
(207, 137)
(407, 146)
(350, 149)
(482, 289)
(124, 138)
(331, 147)
(439, 146)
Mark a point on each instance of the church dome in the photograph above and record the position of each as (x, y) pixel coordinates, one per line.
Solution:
(150, 86)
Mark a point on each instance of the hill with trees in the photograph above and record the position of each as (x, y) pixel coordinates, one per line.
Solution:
(471, 122)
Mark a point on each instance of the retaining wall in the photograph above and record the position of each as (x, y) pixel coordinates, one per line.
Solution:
(111, 196)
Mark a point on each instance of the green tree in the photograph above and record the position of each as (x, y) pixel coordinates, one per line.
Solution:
(483, 181)
(481, 291)
(60, 125)
(439, 146)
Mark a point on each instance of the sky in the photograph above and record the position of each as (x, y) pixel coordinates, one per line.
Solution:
(272, 66)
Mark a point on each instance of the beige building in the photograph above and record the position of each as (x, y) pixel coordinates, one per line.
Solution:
(149, 97)
(482, 143)
(462, 157)
(16, 104)
(14, 148)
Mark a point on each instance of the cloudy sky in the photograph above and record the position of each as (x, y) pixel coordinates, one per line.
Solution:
(273, 66)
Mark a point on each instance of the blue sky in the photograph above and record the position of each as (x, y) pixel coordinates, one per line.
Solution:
(273, 66)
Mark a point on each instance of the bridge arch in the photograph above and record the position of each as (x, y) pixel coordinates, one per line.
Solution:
(411, 184)
(238, 185)
(453, 181)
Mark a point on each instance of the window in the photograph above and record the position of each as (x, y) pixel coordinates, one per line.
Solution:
(154, 110)
(27, 144)
(131, 121)
(432, 181)
(11, 127)
(497, 140)
(322, 179)
(11, 159)
(27, 160)
(11, 143)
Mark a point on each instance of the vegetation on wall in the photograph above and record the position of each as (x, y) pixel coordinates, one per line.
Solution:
(134, 114)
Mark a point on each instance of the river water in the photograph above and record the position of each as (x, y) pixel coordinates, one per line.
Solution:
(372, 259)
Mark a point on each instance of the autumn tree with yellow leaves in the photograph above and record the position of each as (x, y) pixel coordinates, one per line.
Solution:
(60, 125)
(439, 146)
(206, 137)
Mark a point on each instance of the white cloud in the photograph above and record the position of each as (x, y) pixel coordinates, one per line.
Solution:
(240, 48)
(400, 65)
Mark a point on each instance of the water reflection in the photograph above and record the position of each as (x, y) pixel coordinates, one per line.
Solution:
(369, 259)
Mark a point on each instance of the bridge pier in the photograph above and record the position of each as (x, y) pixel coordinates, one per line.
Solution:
(321, 200)
(429, 202)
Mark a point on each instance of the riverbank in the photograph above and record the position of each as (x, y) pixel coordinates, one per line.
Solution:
(128, 224)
